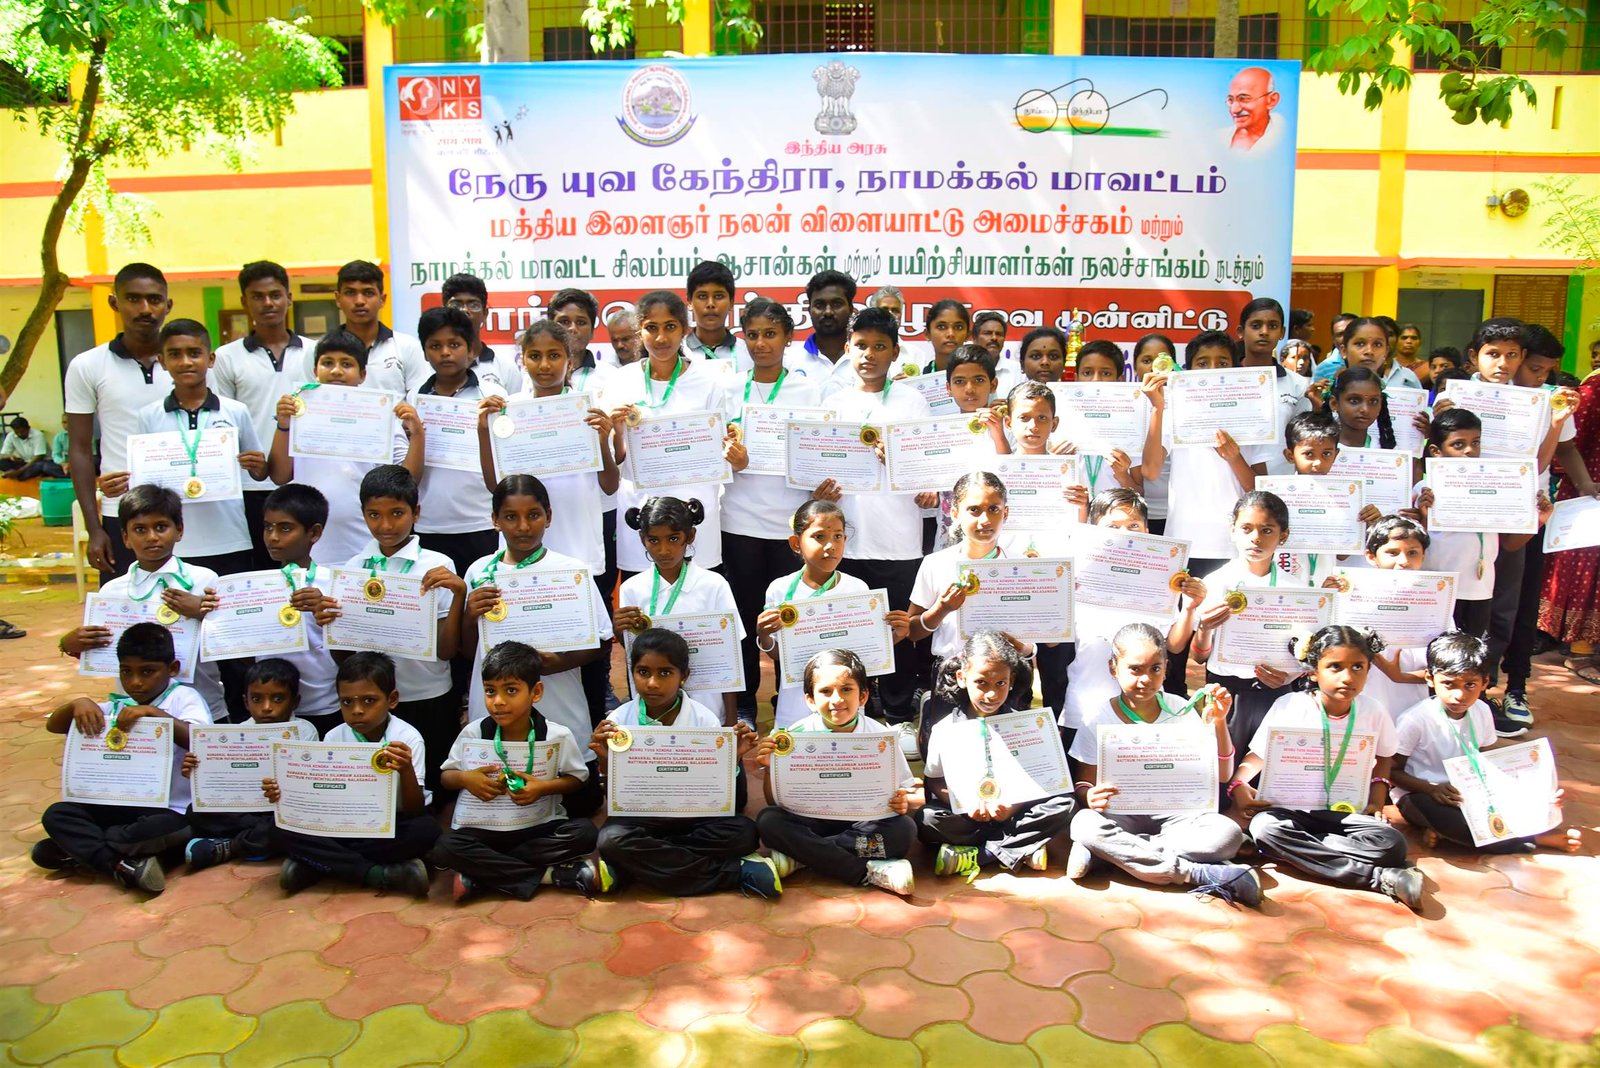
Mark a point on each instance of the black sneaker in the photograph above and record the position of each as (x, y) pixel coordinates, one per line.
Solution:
(408, 878)
(297, 875)
(1505, 726)
(1233, 883)
(142, 874)
(51, 857)
(1402, 884)
(589, 878)
(202, 853)
(1515, 708)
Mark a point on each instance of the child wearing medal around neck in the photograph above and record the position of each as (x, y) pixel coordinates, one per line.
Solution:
(970, 380)
(125, 840)
(151, 520)
(674, 586)
(1101, 361)
(1456, 722)
(861, 853)
(669, 854)
(292, 520)
(522, 515)
(549, 848)
(819, 539)
(367, 701)
(1348, 842)
(978, 682)
(1193, 848)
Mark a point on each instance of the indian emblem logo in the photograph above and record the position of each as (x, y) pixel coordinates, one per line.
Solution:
(656, 107)
(836, 84)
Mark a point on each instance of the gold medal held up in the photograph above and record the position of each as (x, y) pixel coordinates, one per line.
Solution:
(299, 405)
(496, 613)
(619, 740)
(870, 436)
(1344, 806)
(642, 625)
(1175, 583)
(635, 415)
(1562, 399)
(1236, 601)
(380, 763)
(975, 424)
(782, 743)
(736, 432)
(116, 739)
(1341, 582)
(194, 488)
(910, 370)
(988, 788)
(788, 615)
(1163, 364)
(166, 615)
(289, 615)
(969, 582)
(374, 589)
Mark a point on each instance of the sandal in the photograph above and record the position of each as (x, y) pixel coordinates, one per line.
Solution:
(8, 630)
(1586, 668)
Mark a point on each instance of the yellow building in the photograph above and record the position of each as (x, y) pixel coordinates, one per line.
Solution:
(1394, 210)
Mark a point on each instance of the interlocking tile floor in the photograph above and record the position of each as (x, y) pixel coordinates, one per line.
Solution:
(1503, 967)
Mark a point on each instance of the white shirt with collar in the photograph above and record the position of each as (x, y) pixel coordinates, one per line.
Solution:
(210, 528)
(176, 574)
(340, 482)
(184, 704)
(569, 760)
(246, 371)
(417, 680)
(26, 449)
(1428, 736)
(319, 691)
(761, 506)
(501, 365)
(395, 730)
(1303, 711)
(395, 363)
(802, 358)
(111, 385)
(883, 526)
(790, 703)
(1086, 743)
(454, 502)
(732, 348)
(702, 592)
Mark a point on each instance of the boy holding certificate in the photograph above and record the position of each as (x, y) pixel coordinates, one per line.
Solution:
(511, 834)
(292, 519)
(120, 838)
(272, 695)
(214, 531)
(1342, 836)
(857, 853)
(368, 699)
(341, 362)
(150, 520)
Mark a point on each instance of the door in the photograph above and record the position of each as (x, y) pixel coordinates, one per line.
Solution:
(1446, 316)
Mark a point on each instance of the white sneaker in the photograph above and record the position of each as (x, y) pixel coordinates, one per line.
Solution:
(908, 740)
(895, 876)
(784, 863)
(1079, 861)
(1039, 859)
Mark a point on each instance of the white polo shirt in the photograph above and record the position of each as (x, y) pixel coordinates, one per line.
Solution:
(143, 585)
(702, 592)
(761, 506)
(108, 383)
(246, 371)
(455, 502)
(209, 527)
(396, 730)
(395, 363)
(882, 526)
(1428, 736)
(417, 680)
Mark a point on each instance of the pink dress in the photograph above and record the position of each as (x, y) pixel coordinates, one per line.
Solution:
(1569, 610)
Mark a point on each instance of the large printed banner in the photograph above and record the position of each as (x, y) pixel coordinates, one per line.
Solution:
(1132, 194)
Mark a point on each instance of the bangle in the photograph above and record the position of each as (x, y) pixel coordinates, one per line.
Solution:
(922, 620)
(1234, 784)
(1387, 785)
(1229, 754)
(1083, 786)
(281, 428)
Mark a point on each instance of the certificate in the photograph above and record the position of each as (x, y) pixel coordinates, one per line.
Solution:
(1515, 418)
(1267, 630)
(1035, 491)
(764, 426)
(1128, 571)
(930, 454)
(1293, 776)
(452, 438)
(1404, 608)
(854, 621)
(674, 772)
(344, 423)
(833, 776)
(250, 619)
(1028, 598)
(1324, 512)
(815, 452)
(715, 662)
(1515, 798)
(1025, 751)
(1241, 400)
(163, 460)
(331, 790)
(1404, 404)
(138, 774)
(504, 814)
(1575, 524)
(234, 758)
(1384, 473)
(548, 436)
(117, 614)
(1159, 769)
(553, 611)
(935, 389)
(400, 620)
(1483, 496)
(1100, 416)
(665, 451)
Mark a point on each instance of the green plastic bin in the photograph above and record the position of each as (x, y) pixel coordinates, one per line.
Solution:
(55, 501)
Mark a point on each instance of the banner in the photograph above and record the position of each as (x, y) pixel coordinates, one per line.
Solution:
(1131, 195)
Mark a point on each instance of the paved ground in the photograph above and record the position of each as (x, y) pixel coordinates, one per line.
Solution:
(1503, 967)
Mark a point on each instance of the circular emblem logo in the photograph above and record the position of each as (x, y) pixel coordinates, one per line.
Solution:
(656, 106)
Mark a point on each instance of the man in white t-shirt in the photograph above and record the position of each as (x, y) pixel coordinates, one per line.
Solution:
(394, 361)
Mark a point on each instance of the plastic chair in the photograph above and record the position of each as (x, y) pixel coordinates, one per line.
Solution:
(80, 548)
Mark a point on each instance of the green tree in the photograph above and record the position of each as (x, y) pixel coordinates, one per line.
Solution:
(610, 22)
(1366, 66)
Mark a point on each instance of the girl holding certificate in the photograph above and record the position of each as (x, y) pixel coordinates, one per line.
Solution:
(522, 515)
(1190, 847)
(677, 855)
(1145, 353)
(1338, 841)
(863, 853)
(674, 585)
(666, 382)
(977, 682)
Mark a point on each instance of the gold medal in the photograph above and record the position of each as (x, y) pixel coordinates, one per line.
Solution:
(988, 789)
(166, 615)
(497, 613)
(969, 582)
(1497, 825)
(1163, 364)
(870, 436)
(379, 764)
(1340, 582)
(1002, 410)
(116, 739)
(502, 426)
(736, 432)
(788, 615)
(619, 740)
(1236, 601)
(642, 625)
(1561, 400)
(374, 589)
(782, 743)
(289, 615)
(194, 488)
(910, 370)
(1175, 583)
(635, 415)
(975, 424)
(299, 405)
(1480, 569)
(1344, 806)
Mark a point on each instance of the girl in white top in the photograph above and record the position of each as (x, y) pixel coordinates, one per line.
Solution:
(1397, 681)
(1259, 526)
(1101, 361)
(577, 501)
(664, 382)
(523, 513)
(673, 586)
(1145, 351)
